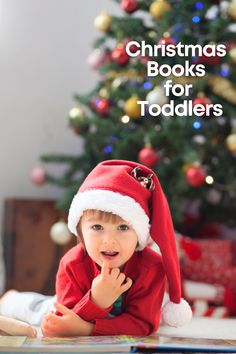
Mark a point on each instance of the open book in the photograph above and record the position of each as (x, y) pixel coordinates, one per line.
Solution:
(112, 344)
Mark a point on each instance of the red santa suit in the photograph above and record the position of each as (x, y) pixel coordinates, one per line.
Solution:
(141, 304)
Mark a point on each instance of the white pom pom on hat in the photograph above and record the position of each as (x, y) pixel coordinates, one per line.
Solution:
(176, 315)
(133, 192)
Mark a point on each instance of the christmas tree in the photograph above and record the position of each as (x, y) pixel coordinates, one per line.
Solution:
(193, 154)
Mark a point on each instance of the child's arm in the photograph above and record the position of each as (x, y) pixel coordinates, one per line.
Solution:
(106, 288)
(73, 288)
(141, 317)
(10, 326)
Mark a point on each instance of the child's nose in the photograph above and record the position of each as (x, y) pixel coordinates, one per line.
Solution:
(109, 238)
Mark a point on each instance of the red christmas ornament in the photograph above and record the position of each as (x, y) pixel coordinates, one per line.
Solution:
(38, 175)
(213, 60)
(166, 41)
(202, 100)
(133, 48)
(195, 176)
(148, 156)
(120, 56)
(129, 6)
(102, 106)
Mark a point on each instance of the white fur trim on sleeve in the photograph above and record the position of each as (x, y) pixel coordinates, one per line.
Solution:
(124, 206)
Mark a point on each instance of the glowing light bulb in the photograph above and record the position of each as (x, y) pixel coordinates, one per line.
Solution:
(125, 119)
(209, 180)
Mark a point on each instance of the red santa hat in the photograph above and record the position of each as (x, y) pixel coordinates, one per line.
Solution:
(133, 192)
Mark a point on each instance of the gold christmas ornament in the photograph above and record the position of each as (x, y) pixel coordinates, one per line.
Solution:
(232, 54)
(232, 10)
(222, 87)
(231, 142)
(76, 112)
(152, 34)
(103, 92)
(132, 108)
(102, 22)
(158, 8)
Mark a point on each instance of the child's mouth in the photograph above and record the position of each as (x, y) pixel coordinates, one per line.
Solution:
(109, 254)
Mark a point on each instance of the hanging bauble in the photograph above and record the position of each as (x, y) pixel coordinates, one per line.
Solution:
(103, 92)
(129, 6)
(199, 139)
(60, 233)
(212, 13)
(231, 142)
(132, 48)
(213, 60)
(214, 196)
(232, 10)
(166, 41)
(157, 96)
(148, 156)
(102, 22)
(232, 54)
(202, 100)
(102, 106)
(132, 108)
(158, 8)
(195, 176)
(120, 56)
(96, 59)
(38, 175)
(78, 120)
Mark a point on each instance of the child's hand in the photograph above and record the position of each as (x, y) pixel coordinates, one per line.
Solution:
(108, 286)
(69, 324)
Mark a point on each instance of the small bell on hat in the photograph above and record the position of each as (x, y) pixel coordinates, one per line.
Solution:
(133, 192)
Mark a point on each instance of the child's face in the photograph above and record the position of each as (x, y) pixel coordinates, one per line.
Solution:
(107, 240)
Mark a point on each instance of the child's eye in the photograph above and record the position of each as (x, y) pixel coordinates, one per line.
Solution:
(123, 227)
(97, 227)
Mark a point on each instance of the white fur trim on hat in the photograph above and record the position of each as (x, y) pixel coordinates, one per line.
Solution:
(176, 315)
(124, 206)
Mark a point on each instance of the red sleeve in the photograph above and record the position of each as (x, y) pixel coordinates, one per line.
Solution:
(70, 294)
(143, 310)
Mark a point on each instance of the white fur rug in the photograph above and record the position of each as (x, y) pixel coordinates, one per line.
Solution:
(203, 327)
